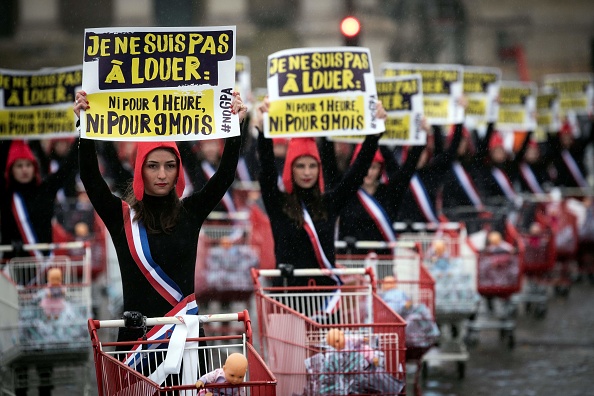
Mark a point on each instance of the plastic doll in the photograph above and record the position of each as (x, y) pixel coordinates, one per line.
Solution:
(232, 372)
(438, 255)
(396, 299)
(53, 301)
(496, 244)
(338, 364)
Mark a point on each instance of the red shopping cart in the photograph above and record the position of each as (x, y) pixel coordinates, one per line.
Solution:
(564, 225)
(499, 277)
(43, 340)
(140, 368)
(295, 321)
(452, 264)
(406, 287)
(227, 254)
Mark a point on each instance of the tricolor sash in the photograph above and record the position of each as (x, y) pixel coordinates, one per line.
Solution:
(467, 185)
(323, 261)
(227, 200)
(574, 168)
(140, 251)
(422, 197)
(503, 183)
(530, 178)
(138, 357)
(242, 171)
(23, 221)
(377, 214)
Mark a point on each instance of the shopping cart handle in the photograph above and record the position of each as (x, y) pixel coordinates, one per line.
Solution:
(230, 317)
(313, 272)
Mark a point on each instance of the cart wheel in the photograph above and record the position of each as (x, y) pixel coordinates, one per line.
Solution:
(562, 291)
(540, 311)
(507, 336)
(424, 371)
(471, 339)
(461, 370)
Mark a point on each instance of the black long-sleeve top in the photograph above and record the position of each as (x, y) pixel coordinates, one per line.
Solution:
(291, 242)
(490, 188)
(175, 252)
(193, 167)
(431, 176)
(354, 219)
(39, 200)
(453, 194)
(564, 176)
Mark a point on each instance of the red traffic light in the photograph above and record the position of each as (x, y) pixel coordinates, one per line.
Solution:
(350, 26)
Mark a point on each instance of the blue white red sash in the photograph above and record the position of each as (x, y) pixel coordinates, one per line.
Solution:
(377, 214)
(323, 261)
(242, 171)
(135, 358)
(503, 183)
(467, 185)
(188, 188)
(23, 221)
(574, 169)
(227, 200)
(139, 249)
(422, 197)
(530, 178)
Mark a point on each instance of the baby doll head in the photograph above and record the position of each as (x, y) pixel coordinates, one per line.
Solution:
(535, 229)
(439, 247)
(235, 368)
(54, 277)
(494, 238)
(81, 230)
(389, 283)
(335, 338)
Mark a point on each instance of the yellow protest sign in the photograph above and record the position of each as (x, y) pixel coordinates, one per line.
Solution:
(321, 92)
(38, 104)
(159, 83)
(442, 87)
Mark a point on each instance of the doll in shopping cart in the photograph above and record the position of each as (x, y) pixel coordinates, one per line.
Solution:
(438, 256)
(496, 244)
(421, 328)
(352, 366)
(233, 372)
(53, 301)
(374, 378)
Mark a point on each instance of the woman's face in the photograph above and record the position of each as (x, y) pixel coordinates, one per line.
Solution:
(532, 154)
(498, 154)
(210, 150)
(23, 171)
(159, 172)
(373, 174)
(305, 172)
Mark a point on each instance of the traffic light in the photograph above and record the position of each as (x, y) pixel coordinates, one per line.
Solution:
(350, 28)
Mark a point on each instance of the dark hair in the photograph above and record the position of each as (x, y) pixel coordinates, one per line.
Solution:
(312, 197)
(155, 223)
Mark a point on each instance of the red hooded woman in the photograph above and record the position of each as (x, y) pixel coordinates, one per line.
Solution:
(27, 201)
(155, 233)
(303, 217)
(26, 209)
(568, 156)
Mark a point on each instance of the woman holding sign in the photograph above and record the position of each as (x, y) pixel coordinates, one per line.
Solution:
(153, 225)
(304, 216)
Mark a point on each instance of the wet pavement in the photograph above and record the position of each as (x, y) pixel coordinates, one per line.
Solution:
(552, 356)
